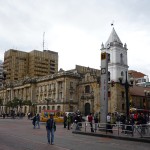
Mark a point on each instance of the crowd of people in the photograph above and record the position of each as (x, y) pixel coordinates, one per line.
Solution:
(112, 119)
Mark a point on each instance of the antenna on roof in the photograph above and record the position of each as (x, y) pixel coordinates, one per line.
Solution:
(112, 24)
(43, 40)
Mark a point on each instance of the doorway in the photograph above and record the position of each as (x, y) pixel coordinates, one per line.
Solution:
(87, 109)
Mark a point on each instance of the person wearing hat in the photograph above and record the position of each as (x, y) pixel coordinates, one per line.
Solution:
(51, 128)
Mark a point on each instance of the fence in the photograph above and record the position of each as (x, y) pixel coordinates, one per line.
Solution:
(119, 129)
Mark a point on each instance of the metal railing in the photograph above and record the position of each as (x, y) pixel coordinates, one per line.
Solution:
(119, 129)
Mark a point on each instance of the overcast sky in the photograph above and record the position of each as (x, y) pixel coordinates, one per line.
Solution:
(76, 29)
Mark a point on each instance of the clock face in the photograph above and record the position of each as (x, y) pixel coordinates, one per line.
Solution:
(103, 70)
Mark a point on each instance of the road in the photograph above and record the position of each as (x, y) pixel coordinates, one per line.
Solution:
(18, 134)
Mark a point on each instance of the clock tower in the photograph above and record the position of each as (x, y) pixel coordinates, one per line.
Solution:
(117, 67)
(117, 62)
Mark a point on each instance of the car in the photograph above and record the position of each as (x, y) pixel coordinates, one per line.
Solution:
(71, 113)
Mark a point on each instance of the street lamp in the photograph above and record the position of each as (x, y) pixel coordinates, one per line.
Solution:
(147, 94)
(126, 86)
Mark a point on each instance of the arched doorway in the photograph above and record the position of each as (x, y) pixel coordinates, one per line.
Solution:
(87, 109)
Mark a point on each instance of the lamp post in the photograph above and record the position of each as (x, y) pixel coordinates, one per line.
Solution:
(147, 94)
(126, 85)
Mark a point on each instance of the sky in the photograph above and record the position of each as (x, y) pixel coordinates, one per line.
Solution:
(76, 29)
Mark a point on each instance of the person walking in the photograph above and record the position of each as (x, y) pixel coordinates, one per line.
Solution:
(68, 121)
(50, 128)
(38, 121)
(96, 122)
(109, 127)
(90, 120)
(34, 121)
(65, 120)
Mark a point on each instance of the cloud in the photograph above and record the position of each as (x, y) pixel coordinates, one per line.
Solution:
(76, 29)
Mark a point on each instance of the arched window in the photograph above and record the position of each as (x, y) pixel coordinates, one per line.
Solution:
(87, 89)
(58, 107)
(39, 109)
(122, 73)
(44, 107)
(53, 107)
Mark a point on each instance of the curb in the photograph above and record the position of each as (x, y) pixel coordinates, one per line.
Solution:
(145, 140)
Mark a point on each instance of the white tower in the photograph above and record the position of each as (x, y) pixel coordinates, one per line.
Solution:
(117, 63)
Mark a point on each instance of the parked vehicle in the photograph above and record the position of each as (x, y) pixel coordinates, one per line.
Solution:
(58, 115)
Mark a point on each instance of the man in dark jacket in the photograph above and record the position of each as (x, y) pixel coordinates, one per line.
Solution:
(51, 128)
(34, 121)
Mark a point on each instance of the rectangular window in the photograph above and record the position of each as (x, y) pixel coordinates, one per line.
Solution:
(71, 84)
(122, 94)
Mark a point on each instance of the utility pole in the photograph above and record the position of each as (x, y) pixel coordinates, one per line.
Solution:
(43, 40)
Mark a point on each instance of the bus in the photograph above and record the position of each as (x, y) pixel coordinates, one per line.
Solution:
(58, 115)
(136, 111)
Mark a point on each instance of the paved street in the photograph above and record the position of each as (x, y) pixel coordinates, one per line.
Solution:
(18, 134)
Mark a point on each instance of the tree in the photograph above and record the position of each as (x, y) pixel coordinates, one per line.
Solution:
(1, 104)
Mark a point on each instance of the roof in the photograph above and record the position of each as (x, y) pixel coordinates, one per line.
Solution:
(136, 74)
(138, 90)
(113, 38)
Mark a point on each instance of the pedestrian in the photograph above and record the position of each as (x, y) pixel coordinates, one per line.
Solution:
(109, 127)
(65, 120)
(38, 121)
(96, 122)
(69, 121)
(90, 120)
(50, 128)
(3, 115)
(29, 115)
(34, 121)
(123, 121)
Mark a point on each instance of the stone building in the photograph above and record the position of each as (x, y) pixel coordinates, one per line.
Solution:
(1, 73)
(76, 89)
(66, 91)
(36, 63)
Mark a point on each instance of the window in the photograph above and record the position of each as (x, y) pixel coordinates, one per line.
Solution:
(87, 89)
(122, 94)
(108, 58)
(109, 94)
(71, 96)
(122, 106)
(71, 84)
(108, 76)
(122, 74)
(121, 58)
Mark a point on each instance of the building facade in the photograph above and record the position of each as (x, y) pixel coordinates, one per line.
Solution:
(21, 64)
(1, 73)
(72, 90)
(66, 91)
